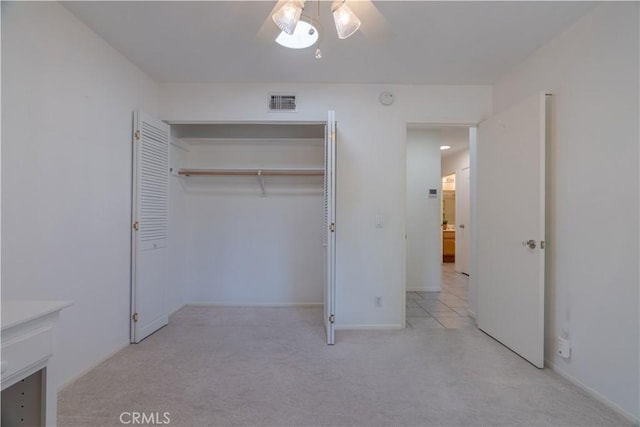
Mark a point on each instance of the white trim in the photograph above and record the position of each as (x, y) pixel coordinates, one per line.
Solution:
(29, 370)
(591, 392)
(180, 144)
(472, 314)
(472, 289)
(425, 289)
(250, 305)
(244, 122)
(421, 125)
(392, 327)
(150, 328)
(74, 378)
(403, 278)
(180, 307)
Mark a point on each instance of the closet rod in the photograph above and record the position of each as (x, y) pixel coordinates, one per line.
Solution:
(251, 172)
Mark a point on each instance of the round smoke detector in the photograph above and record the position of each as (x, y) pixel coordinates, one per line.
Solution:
(386, 98)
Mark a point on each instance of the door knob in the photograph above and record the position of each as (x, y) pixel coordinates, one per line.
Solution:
(530, 243)
(461, 225)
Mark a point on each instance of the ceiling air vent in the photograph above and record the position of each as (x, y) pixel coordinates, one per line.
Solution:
(282, 103)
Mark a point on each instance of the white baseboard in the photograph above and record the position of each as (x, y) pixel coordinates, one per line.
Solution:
(176, 309)
(368, 327)
(425, 289)
(121, 347)
(591, 392)
(77, 376)
(255, 305)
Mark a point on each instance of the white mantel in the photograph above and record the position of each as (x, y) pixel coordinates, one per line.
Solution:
(15, 312)
(28, 343)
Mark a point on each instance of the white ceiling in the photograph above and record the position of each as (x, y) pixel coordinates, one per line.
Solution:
(456, 137)
(427, 42)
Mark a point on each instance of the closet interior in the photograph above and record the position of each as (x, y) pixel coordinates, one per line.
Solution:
(247, 213)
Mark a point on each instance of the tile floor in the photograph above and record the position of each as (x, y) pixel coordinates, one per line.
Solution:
(444, 309)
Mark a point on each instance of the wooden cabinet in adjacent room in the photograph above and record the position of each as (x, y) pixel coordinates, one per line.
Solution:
(449, 246)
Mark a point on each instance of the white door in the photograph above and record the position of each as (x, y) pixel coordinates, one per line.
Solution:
(149, 280)
(462, 220)
(330, 227)
(510, 218)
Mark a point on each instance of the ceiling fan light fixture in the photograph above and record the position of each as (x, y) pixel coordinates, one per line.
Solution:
(287, 17)
(305, 34)
(347, 23)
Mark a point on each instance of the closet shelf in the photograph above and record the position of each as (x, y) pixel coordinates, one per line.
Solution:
(258, 173)
(251, 172)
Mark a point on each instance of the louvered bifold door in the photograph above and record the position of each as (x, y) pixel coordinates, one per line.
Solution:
(149, 279)
(330, 227)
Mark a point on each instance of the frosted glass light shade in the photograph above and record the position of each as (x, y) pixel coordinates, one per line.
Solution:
(305, 35)
(287, 17)
(346, 21)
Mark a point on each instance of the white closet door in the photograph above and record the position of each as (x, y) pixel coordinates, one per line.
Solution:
(510, 218)
(330, 227)
(149, 279)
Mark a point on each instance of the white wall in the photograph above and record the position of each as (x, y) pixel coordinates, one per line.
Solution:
(592, 266)
(179, 240)
(423, 213)
(245, 249)
(371, 169)
(67, 104)
(456, 161)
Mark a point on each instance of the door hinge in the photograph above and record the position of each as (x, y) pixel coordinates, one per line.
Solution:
(332, 227)
(136, 134)
(542, 244)
(135, 317)
(136, 226)
(332, 319)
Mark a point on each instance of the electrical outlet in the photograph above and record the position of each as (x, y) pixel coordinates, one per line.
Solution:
(378, 302)
(564, 347)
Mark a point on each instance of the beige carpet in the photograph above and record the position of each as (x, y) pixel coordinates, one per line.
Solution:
(271, 367)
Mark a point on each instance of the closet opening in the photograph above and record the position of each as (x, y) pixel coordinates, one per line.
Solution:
(251, 206)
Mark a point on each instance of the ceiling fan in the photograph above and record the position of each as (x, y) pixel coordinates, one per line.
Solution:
(298, 22)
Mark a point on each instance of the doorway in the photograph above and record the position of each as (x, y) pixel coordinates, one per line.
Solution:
(449, 218)
(455, 172)
(436, 292)
(506, 282)
(447, 308)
